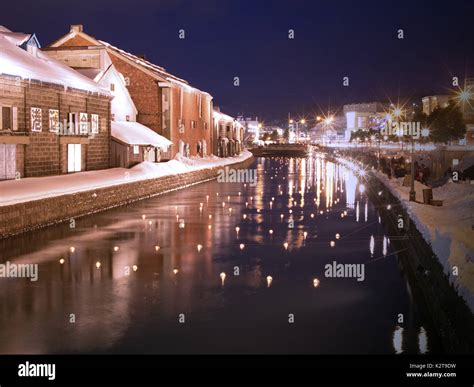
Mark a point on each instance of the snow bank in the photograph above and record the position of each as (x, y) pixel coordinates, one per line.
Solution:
(35, 188)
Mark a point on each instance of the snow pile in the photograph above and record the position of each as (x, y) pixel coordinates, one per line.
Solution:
(134, 133)
(448, 229)
(35, 188)
(17, 62)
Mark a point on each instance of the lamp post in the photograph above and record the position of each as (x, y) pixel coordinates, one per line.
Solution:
(412, 180)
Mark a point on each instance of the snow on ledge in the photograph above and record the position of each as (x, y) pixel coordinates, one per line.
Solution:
(36, 188)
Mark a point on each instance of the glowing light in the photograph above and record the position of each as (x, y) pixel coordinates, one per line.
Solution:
(157, 248)
(98, 265)
(175, 271)
(209, 226)
(269, 281)
(223, 204)
(285, 245)
(422, 341)
(244, 216)
(332, 243)
(222, 275)
(61, 261)
(143, 217)
(372, 245)
(338, 236)
(362, 188)
(282, 216)
(134, 267)
(72, 249)
(242, 246)
(116, 248)
(199, 248)
(305, 234)
(316, 282)
(270, 232)
(389, 207)
(312, 215)
(398, 340)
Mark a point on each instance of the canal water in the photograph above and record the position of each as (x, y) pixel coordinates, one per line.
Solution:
(189, 272)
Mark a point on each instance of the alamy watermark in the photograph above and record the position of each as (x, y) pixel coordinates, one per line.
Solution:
(14, 270)
(404, 128)
(345, 270)
(232, 175)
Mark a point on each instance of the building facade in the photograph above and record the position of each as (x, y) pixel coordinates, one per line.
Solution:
(53, 120)
(229, 134)
(168, 105)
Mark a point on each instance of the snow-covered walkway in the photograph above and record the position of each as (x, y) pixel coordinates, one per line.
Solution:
(34, 188)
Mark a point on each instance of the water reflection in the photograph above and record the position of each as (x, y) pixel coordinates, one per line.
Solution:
(211, 252)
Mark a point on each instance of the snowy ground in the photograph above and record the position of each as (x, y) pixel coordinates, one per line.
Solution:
(447, 229)
(34, 188)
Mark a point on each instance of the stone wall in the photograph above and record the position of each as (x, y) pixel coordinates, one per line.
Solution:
(18, 218)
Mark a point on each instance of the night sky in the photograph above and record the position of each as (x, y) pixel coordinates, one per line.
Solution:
(249, 39)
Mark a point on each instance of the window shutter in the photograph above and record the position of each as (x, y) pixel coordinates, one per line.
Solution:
(15, 118)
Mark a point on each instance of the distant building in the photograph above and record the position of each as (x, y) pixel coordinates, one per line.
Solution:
(251, 127)
(53, 120)
(431, 102)
(362, 116)
(229, 133)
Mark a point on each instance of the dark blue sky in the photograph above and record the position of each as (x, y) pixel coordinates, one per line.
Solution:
(249, 39)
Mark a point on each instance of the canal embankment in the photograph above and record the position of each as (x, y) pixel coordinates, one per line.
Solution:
(29, 204)
(439, 270)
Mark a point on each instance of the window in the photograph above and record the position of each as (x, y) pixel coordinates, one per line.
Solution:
(73, 123)
(74, 157)
(113, 117)
(53, 120)
(112, 87)
(200, 105)
(95, 123)
(127, 117)
(36, 119)
(205, 125)
(83, 123)
(136, 150)
(193, 124)
(8, 118)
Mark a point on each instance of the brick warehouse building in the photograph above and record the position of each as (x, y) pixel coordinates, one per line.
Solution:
(165, 103)
(53, 120)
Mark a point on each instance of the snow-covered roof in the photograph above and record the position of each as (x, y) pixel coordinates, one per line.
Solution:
(16, 61)
(217, 115)
(157, 70)
(134, 133)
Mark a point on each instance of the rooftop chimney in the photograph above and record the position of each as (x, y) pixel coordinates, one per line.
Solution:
(76, 28)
